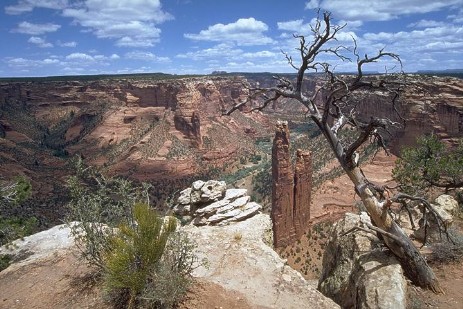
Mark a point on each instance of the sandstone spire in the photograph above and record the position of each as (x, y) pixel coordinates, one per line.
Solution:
(290, 189)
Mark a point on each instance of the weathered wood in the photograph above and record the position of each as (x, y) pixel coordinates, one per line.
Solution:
(324, 107)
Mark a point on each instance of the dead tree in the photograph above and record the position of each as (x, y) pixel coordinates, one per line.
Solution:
(332, 107)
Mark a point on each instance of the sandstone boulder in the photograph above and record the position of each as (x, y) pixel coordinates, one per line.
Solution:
(38, 246)
(448, 203)
(210, 203)
(431, 230)
(356, 272)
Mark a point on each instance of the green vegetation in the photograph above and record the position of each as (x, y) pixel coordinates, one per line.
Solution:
(99, 204)
(430, 164)
(15, 225)
(136, 250)
(143, 260)
(15, 192)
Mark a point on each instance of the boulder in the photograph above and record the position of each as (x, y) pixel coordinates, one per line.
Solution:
(356, 272)
(210, 203)
(212, 190)
(379, 282)
(39, 246)
(232, 194)
(211, 209)
(184, 198)
(448, 203)
(433, 233)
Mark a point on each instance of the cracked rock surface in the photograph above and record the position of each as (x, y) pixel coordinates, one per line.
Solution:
(239, 260)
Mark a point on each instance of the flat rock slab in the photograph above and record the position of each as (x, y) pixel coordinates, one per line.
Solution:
(239, 260)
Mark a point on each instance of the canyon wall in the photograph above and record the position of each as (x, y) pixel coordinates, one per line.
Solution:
(291, 189)
(165, 132)
(141, 128)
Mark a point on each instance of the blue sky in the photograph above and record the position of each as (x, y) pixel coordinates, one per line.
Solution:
(73, 37)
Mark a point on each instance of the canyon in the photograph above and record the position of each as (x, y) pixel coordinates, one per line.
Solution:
(171, 131)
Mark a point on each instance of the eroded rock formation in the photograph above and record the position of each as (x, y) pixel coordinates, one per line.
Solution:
(291, 189)
(356, 273)
(211, 203)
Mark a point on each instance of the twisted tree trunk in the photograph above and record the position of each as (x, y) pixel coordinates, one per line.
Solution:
(413, 263)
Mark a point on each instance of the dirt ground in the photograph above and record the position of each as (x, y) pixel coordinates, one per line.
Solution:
(64, 282)
(450, 277)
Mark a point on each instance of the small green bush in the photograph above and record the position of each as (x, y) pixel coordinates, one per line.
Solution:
(143, 260)
(135, 251)
(14, 225)
(5, 261)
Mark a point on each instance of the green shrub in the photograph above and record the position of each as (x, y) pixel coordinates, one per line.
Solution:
(5, 260)
(430, 164)
(13, 226)
(143, 260)
(135, 252)
(16, 227)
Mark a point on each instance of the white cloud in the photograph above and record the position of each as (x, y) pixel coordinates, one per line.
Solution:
(426, 24)
(261, 54)
(131, 22)
(292, 25)
(50, 61)
(458, 17)
(79, 56)
(222, 50)
(146, 56)
(443, 44)
(29, 63)
(245, 31)
(89, 58)
(379, 10)
(24, 6)
(312, 4)
(40, 42)
(36, 29)
(67, 44)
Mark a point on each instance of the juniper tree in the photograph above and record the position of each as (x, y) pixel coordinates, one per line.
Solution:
(333, 106)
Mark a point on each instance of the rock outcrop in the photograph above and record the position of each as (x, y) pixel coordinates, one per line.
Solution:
(211, 203)
(445, 206)
(238, 259)
(357, 273)
(291, 189)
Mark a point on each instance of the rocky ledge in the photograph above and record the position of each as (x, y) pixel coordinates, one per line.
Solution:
(211, 203)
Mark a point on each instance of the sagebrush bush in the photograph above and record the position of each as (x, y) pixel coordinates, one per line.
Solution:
(170, 280)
